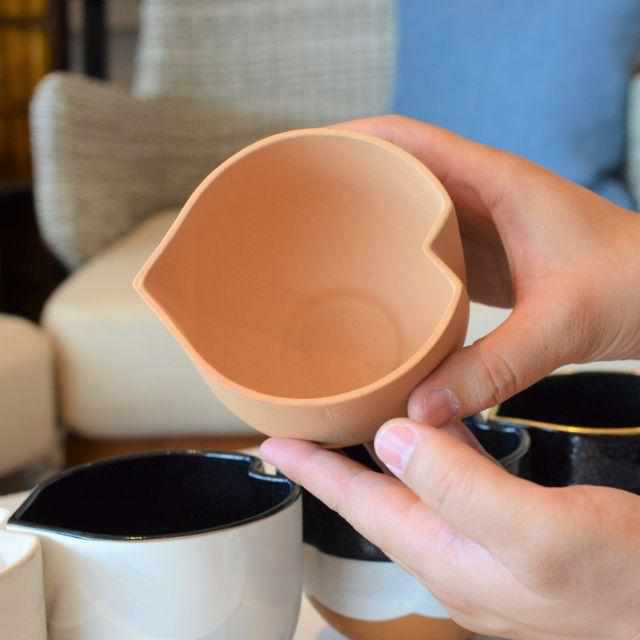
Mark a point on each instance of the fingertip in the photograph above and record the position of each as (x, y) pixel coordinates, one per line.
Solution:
(286, 452)
(391, 424)
(395, 442)
(268, 449)
(415, 406)
(434, 406)
(279, 451)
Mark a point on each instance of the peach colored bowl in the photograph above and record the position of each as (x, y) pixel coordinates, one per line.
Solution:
(314, 278)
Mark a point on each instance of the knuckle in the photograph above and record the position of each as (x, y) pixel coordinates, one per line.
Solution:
(578, 318)
(314, 462)
(450, 485)
(348, 498)
(551, 565)
(573, 312)
(563, 338)
(511, 169)
(395, 119)
(550, 569)
(502, 378)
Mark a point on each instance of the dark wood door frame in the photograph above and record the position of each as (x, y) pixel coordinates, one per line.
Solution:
(28, 270)
(95, 40)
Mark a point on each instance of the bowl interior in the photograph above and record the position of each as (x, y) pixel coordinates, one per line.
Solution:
(587, 399)
(300, 270)
(156, 495)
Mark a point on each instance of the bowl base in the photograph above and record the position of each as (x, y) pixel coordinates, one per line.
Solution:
(411, 627)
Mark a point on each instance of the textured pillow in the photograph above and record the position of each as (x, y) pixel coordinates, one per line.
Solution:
(105, 160)
(547, 79)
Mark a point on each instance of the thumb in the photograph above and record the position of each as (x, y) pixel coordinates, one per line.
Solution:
(529, 345)
(473, 495)
(456, 429)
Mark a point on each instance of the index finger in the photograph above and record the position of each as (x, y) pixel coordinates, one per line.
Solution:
(383, 510)
(476, 176)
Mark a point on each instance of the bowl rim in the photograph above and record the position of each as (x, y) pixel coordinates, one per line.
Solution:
(494, 416)
(30, 550)
(255, 469)
(440, 220)
(524, 439)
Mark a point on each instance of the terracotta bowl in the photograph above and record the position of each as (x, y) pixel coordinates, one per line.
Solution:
(314, 278)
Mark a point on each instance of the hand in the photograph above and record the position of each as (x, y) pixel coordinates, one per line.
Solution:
(505, 556)
(567, 260)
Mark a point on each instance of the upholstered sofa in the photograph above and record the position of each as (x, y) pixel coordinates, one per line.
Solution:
(113, 168)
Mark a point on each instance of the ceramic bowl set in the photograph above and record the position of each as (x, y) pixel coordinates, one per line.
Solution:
(314, 278)
(187, 545)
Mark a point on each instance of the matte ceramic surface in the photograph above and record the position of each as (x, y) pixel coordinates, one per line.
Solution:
(584, 428)
(178, 545)
(366, 590)
(314, 278)
(22, 612)
(355, 586)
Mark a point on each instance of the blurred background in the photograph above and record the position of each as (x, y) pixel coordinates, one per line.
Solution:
(112, 111)
(36, 37)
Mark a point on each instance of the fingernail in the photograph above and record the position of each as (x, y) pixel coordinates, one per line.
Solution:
(394, 445)
(435, 407)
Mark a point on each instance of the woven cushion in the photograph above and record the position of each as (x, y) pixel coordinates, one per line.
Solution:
(104, 159)
(121, 374)
(280, 63)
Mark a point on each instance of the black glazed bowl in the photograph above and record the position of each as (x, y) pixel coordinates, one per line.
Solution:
(584, 428)
(332, 534)
(156, 495)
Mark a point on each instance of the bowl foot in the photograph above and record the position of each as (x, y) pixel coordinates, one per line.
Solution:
(411, 627)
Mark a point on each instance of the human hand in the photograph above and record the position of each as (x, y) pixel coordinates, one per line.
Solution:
(505, 556)
(567, 261)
